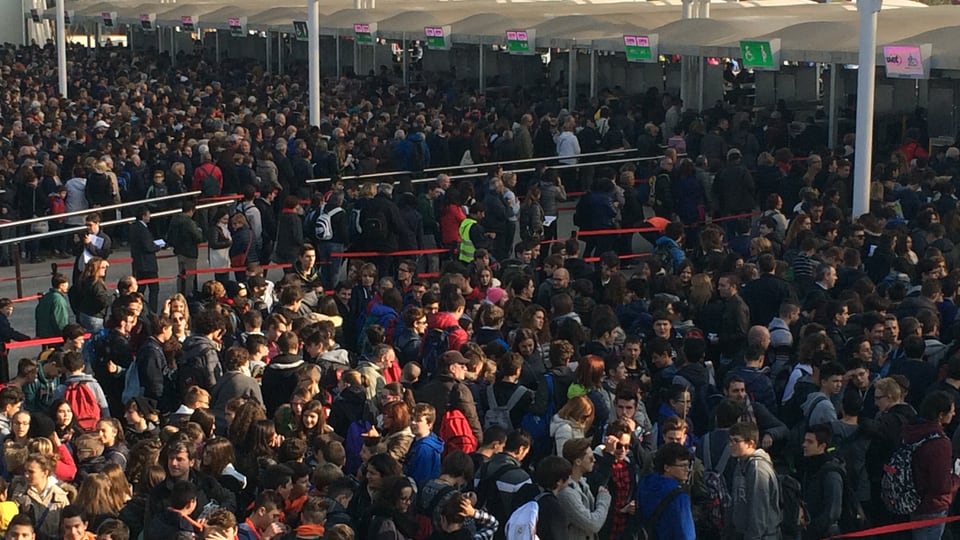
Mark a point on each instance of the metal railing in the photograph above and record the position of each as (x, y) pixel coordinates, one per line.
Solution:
(88, 211)
(497, 163)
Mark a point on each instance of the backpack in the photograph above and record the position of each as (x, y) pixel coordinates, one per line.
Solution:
(499, 415)
(373, 222)
(322, 226)
(425, 511)
(538, 426)
(522, 524)
(353, 443)
(356, 228)
(86, 410)
(456, 433)
(57, 204)
(648, 530)
(209, 186)
(191, 370)
(417, 161)
(897, 487)
(93, 349)
(155, 191)
(488, 495)
(664, 254)
(792, 507)
(435, 343)
(131, 383)
(852, 516)
(718, 493)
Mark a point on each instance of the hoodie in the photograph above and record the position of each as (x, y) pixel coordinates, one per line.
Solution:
(755, 510)
(936, 483)
(279, 381)
(423, 459)
(562, 430)
(445, 319)
(818, 409)
(676, 521)
(675, 251)
(92, 383)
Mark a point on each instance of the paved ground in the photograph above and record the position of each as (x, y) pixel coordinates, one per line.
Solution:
(36, 280)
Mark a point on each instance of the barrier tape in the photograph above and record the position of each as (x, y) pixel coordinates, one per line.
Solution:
(39, 342)
(26, 298)
(896, 527)
(356, 254)
(24, 277)
(125, 260)
(148, 281)
(225, 270)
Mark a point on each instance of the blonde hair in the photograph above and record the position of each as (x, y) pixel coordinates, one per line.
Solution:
(890, 387)
(578, 410)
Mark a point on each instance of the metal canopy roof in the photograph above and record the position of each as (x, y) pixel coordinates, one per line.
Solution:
(808, 31)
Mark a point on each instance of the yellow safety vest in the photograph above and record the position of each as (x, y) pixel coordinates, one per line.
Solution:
(467, 249)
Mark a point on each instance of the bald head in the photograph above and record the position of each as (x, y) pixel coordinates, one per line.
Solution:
(561, 278)
(758, 336)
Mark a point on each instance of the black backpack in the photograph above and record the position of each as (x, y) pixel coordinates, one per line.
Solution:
(852, 516)
(373, 222)
(791, 505)
(417, 161)
(209, 186)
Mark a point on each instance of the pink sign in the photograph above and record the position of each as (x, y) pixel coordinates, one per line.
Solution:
(904, 61)
(361, 28)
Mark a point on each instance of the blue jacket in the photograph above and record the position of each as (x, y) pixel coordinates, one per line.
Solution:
(676, 521)
(423, 459)
(678, 255)
(403, 149)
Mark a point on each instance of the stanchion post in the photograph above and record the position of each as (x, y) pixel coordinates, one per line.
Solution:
(17, 269)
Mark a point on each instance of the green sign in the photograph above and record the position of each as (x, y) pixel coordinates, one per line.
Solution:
(363, 33)
(520, 42)
(300, 31)
(438, 37)
(761, 55)
(640, 49)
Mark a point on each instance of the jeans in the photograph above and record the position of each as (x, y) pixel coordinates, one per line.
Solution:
(89, 323)
(329, 266)
(186, 284)
(933, 532)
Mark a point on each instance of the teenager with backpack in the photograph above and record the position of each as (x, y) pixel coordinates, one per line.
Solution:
(665, 507)
(330, 228)
(448, 389)
(755, 510)
(543, 517)
(934, 471)
(82, 392)
(500, 480)
(822, 478)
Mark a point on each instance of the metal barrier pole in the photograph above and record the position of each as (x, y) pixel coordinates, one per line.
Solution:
(17, 269)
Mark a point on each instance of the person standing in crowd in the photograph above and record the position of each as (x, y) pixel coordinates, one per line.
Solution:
(53, 309)
(143, 249)
(755, 508)
(184, 236)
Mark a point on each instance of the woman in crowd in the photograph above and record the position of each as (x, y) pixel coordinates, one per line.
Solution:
(89, 297)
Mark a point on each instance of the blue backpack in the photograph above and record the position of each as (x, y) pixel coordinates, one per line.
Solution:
(353, 443)
(435, 343)
(538, 426)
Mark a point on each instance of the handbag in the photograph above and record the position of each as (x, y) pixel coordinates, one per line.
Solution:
(39, 227)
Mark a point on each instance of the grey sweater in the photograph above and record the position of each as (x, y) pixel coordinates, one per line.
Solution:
(586, 513)
(755, 510)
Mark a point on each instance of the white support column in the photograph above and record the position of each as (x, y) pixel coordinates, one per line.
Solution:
(279, 52)
(269, 54)
(572, 79)
(61, 49)
(313, 59)
(593, 73)
(483, 82)
(832, 113)
(403, 57)
(866, 86)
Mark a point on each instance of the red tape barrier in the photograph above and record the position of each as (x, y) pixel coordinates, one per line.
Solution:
(231, 269)
(39, 342)
(126, 260)
(357, 254)
(897, 527)
(27, 298)
(25, 277)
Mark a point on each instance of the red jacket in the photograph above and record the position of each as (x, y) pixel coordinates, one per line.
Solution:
(450, 217)
(443, 320)
(932, 467)
(202, 171)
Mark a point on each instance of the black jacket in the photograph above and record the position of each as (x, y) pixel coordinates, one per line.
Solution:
(208, 490)
(289, 237)
(143, 250)
(764, 296)
(151, 363)
(170, 525)
(90, 298)
(351, 405)
(602, 476)
(279, 381)
(822, 482)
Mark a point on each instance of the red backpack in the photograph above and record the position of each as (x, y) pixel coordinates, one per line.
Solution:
(84, 404)
(57, 204)
(456, 433)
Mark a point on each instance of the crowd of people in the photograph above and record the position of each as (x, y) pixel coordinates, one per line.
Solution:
(783, 372)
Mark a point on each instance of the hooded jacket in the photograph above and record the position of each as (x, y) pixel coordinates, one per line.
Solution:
(932, 467)
(823, 493)
(818, 409)
(279, 381)
(94, 386)
(676, 521)
(562, 430)
(199, 363)
(586, 512)
(445, 319)
(423, 459)
(755, 510)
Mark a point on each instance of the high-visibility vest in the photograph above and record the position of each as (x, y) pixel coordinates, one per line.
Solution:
(467, 249)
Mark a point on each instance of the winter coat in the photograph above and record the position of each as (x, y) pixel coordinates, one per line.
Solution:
(822, 484)
(734, 190)
(676, 521)
(90, 298)
(423, 459)
(932, 467)
(586, 512)
(279, 381)
(52, 314)
(818, 409)
(755, 509)
(184, 235)
(289, 237)
(438, 393)
(47, 505)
